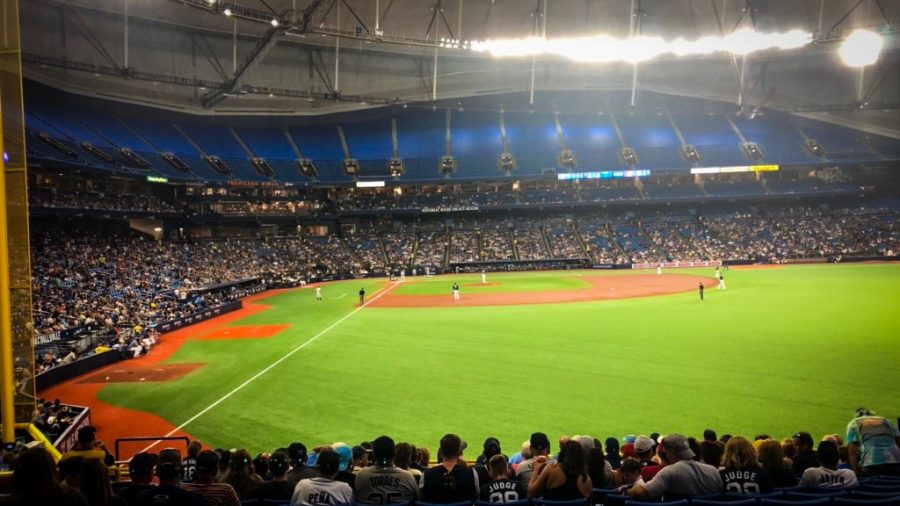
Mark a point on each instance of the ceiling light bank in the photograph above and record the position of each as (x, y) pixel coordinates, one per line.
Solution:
(607, 49)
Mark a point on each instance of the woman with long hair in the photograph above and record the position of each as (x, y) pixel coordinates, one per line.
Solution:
(741, 472)
(241, 476)
(93, 482)
(562, 481)
(36, 482)
(772, 459)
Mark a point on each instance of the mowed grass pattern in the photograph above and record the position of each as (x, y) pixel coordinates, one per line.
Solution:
(782, 350)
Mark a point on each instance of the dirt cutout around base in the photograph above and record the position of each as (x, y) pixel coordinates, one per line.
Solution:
(247, 332)
(150, 372)
(602, 288)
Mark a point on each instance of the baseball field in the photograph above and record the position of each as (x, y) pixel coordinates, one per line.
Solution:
(782, 349)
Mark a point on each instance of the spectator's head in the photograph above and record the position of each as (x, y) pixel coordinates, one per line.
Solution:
(279, 464)
(739, 454)
(571, 458)
(586, 442)
(297, 453)
(695, 447)
(835, 438)
(261, 464)
(709, 435)
(451, 447)
(383, 450)
(677, 448)
(863, 411)
(498, 467)
(724, 439)
(424, 457)
(345, 453)
(140, 468)
(643, 447)
(788, 448)
(828, 454)
(403, 454)
(328, 464)
(540, 444)
(207, 465)
(771, 455)
(491, 447)
(93, 481)
(35, 474)
(86, 436)
(168, 466)
(802, 441)
(711, 452)
(526, 450)
(612, 447)
(360, 456)
(631, 470)
(240, 463)
(194, 449)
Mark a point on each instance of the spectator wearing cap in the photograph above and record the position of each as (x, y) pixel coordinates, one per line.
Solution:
(279, 488)
(612, 452)
(491, 447)
(804, 455)
(323, 490)
(89, 447)
(384, 482)
(684, 477)
(540, 447)
(564, 480)
(299, 470)
(450, 481)
(360, 458)
(346, 455)
(140, 470)
(643, 448)
(872, 444)
(216, 494)
(827, 475)
(169, 492)
(648, 472)
(241, 476)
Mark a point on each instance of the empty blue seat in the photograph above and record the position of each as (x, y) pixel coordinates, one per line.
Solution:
(524, 502)
(573, 502)
(461, 503)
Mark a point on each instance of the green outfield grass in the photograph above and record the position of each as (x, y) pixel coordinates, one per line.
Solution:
(782, 350)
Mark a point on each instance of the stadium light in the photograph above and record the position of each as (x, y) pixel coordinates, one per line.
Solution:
(861, 48)
(227, 12)
(274, 22)
(607, 49)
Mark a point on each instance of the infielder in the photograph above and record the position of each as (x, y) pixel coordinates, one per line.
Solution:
(455, 291)
(483, 277)
(319, 293)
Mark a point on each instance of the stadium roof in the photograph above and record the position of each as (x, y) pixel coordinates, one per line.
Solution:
(338, 55)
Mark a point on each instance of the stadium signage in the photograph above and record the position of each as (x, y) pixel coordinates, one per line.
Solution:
(606, 174)
(448, 209)
(199, 316)
(370, 184)
(735, 168)
(157, 179)
(62, 335)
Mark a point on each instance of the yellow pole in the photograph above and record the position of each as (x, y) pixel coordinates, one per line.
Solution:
(7, 380)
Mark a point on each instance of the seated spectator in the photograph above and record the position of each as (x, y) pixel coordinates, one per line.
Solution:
(805, 456)
(491, 447)
(741, 472)
(36, 482)
(631, 474)
(140, 470)
(772, 459)
(346, 455)
(93, 481)
(450, 481)
(501, 489)
(711, 452)
(684, 477)
(323, 490)
(540, 447)
(562, 481)
(299, 470)
(384, 482)
(241, 476)
(827, 475)
(169, 491)
(89, 447)
(279, 488)
(404, 460)
(216, 494)
(189, 464)
(598, 469)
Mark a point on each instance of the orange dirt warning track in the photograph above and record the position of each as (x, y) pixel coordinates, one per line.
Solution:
(602, 288)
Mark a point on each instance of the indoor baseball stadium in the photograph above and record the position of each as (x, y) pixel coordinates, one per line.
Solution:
(449, 252)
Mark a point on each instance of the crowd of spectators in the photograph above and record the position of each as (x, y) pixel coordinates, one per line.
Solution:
(92, 200)
(863, 462)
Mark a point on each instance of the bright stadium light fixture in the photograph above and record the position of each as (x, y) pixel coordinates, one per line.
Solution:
(607, 49)
(861, 48)
(227, 12)
(274, 22)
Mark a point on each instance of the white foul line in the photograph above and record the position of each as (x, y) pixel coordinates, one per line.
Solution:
(238, 388)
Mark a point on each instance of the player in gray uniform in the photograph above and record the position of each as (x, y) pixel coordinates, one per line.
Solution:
(385, 483)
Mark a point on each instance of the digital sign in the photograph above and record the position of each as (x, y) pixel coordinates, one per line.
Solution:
(606, 174)
(735, 168)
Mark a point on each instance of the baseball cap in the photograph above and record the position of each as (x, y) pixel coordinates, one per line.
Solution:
(630, 438)
(862, 411)
(643, 444)
(678, 444)
(208, 461)
(313, 460)
(539, 441)
(142, 464)
(87, 434)
(297, 453)
(346, 455)
(358, 451)
(491, 447)
(805, 438)
(586, 442)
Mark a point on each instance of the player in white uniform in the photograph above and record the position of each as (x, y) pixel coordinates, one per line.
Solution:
(483, 277)
(659, 269)
(319, 293)
(402, 274)
(455, 291)
(721, 280)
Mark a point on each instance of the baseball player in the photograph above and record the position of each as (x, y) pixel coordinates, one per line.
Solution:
(319, 293)
(721, 282)
(362, 296)
(701, 291)
(483, 277)
(659, 269)
(455, 291)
